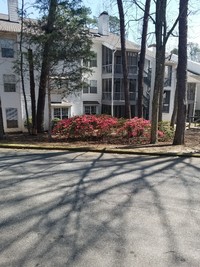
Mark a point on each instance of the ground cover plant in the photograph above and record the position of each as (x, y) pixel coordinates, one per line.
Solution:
(105, 128)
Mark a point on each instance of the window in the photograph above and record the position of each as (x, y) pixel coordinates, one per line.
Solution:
(132, 59)
(106, 109)
(93, 61)
(191, 91)
(106, 56)
(60, 113)
(86, 87)
(117, 89)
(166, 101)
(11, 118)
(91, 88)
(7, 48)
(106, 89)
(132, 89)
(9, 83)
(118, 59)
(118, 63)
(168, 76)
(132, 62)
(90, 110)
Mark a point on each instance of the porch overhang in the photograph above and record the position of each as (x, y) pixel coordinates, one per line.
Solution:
(192, 78)
(91, 103)
(60, 104)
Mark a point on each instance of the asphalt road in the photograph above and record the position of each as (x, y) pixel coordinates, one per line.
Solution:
(98, 210)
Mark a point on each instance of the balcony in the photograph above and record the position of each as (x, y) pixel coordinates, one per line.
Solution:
(118, 96)
(147, 77)
(107, 68)
(132, 69)
(167, 82)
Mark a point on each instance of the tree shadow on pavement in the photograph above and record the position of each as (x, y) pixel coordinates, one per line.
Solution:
(95, 209)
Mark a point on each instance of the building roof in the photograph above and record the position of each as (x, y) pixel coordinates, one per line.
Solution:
(192, 78)
(192, 66)
(4, 16)
(113, 41)
(8, 26)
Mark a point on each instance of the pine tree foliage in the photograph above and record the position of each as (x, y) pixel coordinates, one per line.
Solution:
(60, 41)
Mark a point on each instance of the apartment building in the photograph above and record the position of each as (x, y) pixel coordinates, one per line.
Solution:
(104, 92)
(193, 87)
(10, 92)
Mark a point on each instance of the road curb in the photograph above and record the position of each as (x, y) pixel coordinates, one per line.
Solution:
(100, 150)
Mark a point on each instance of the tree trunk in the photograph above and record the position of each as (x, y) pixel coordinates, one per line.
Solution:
(32, 91)
(2, 134)
(174, 114)
(45, 66)
(159, 77)
(182, 75)
(124, 60)
(161, 101)
(161, 39)
(21, 68)
(142, 59)
(49, 110)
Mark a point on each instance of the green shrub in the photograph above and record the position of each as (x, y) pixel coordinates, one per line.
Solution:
(54, 122)
(30, 123)
(164, 126)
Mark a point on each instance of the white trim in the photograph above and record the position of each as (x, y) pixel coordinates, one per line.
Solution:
(61, 105)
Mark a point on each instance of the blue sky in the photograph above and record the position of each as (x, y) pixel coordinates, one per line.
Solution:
(94, 5)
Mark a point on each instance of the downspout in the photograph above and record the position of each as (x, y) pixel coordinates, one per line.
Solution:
(112, 88)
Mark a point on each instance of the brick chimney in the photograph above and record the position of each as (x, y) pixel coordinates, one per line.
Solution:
(13, 10)
(103, 23)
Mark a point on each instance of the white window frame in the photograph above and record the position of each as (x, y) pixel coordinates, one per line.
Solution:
(90, 109)
(61, 116)
(9, 81)
(12, 118)
(93, 61)
(7, 48)
(91, 88)
(166, 101)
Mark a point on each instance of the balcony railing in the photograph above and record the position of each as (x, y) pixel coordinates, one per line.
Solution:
(147, 77)
(118, 96)
(167, 82)
(107, 68)
(118, 69)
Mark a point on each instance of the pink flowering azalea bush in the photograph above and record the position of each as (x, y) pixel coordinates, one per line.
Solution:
(136, 128)
(110, 129)
(85, 126)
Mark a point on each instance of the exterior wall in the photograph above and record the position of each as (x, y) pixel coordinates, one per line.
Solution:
(10, 99)
(152, 60)
(197, 106)
(96, 75)
(113, 101)
(72, 101)
(148, 89)
(193, 67)
(172, 88)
